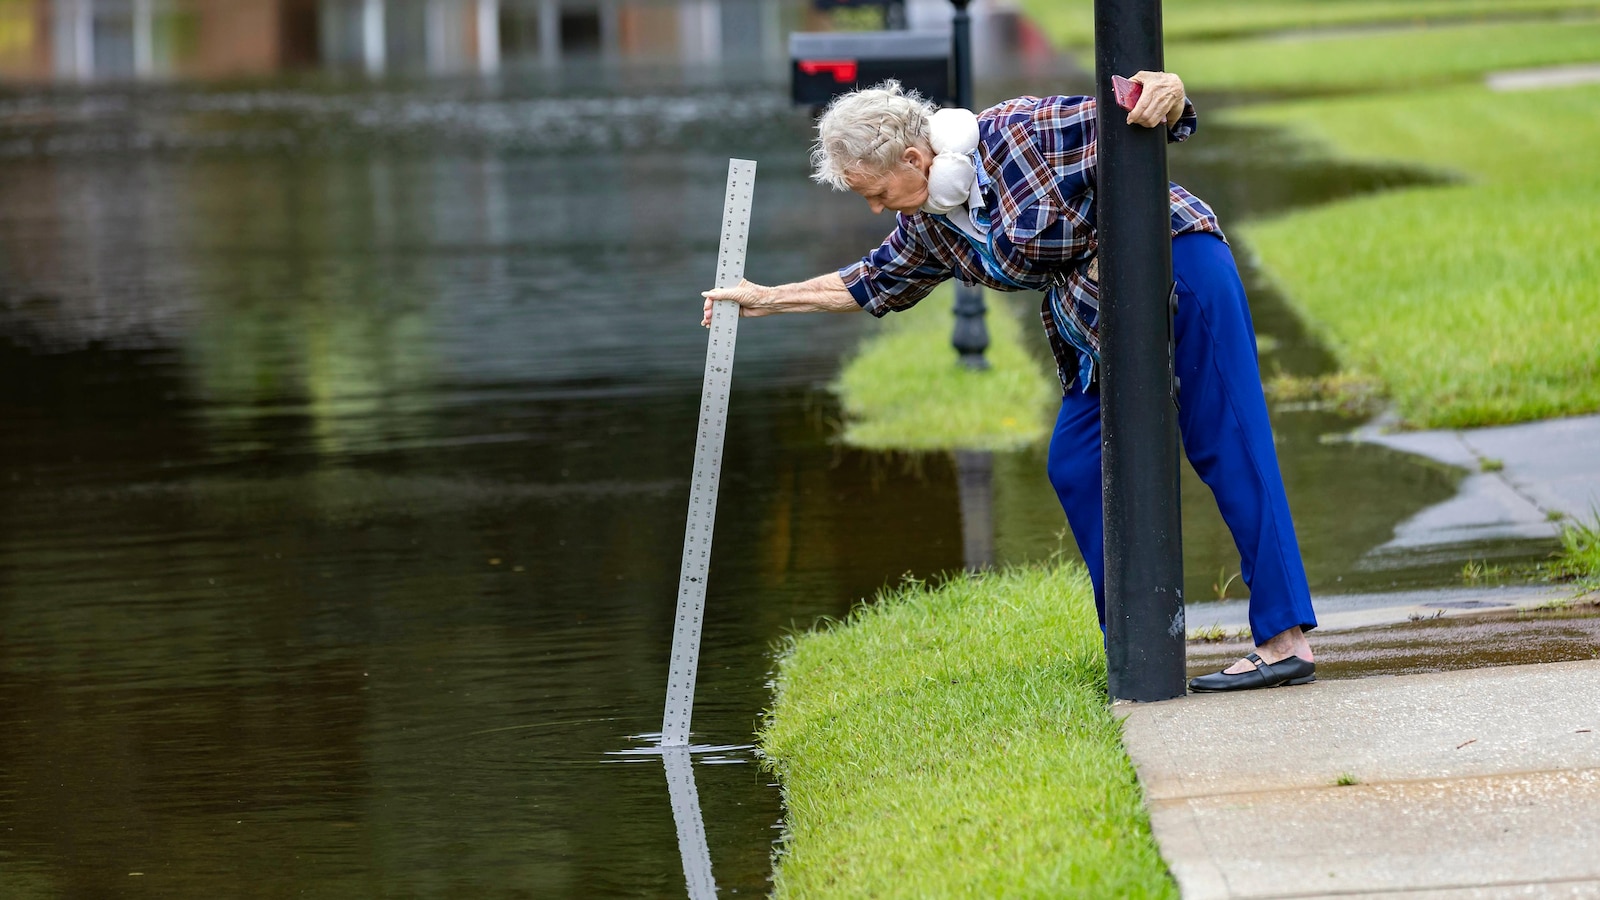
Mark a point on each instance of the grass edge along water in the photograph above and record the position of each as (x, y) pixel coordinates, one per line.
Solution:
(956, 741)
(905, 389)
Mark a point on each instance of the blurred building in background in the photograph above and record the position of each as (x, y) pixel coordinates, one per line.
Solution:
(101, 41)
(113, 40)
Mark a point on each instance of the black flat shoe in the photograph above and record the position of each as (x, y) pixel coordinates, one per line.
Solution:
(1292, 670)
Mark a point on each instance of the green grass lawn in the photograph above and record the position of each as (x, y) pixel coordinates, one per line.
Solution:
(1473, 304)
(1387, 60)
(956, 742)
(1476, 303)
(1071, 23)
(905, 389)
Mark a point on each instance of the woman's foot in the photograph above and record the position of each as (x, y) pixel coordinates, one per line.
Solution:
(1284, 659)
(1279, 647)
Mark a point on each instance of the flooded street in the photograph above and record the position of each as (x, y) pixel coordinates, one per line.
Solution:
(348, 429)
(345, 489)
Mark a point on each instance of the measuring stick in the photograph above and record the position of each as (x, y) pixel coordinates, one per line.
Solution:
(708, 458)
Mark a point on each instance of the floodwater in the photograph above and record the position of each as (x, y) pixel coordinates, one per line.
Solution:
(347, 437)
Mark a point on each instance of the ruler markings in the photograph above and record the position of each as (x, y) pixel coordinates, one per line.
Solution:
(708, 458)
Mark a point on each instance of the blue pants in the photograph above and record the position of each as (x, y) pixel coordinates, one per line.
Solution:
(1227, 436)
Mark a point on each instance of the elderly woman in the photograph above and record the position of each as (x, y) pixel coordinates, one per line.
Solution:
(1007, 200)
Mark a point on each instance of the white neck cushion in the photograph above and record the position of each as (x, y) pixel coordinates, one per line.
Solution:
(954, 135)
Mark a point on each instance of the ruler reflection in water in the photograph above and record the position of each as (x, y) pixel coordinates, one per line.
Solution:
(692, 846)
(708, 458)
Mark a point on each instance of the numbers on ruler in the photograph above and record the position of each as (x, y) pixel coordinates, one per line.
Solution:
(708, 458)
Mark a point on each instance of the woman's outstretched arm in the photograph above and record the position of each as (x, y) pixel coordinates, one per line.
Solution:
(824, 293)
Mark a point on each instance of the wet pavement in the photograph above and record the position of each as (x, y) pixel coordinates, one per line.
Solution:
(1346, 612)
(1562, 629)
(1543, 78)
(1524, 480)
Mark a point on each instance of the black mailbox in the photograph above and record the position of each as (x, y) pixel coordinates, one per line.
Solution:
(829, 63)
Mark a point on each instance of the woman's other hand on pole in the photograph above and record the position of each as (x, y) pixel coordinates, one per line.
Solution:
(1160, 100)
(746, 293)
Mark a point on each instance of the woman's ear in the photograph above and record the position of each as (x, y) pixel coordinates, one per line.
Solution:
(917, 158)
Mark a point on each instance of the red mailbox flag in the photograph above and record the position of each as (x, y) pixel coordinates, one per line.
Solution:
(842, 70)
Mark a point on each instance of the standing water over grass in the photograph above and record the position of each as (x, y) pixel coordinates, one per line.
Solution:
(348, 431)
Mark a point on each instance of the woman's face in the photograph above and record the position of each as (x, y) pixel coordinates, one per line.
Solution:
(903, 189)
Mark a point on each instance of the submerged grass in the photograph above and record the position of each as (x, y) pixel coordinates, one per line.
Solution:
(1353, 395)
(1476, 303)
(1579, 557)
(1400, 59)
(955, 741)
(1071, 23)
(905, 389)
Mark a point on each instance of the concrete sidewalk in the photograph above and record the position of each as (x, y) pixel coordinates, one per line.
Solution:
(1477, 783)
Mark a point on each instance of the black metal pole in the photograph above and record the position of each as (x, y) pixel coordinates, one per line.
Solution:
(961, 52)
(894, 15)
(1138, 400)
(971, 335)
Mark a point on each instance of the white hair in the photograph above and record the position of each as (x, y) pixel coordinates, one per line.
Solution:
(867, 131)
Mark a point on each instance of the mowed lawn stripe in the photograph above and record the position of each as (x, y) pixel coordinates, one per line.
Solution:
(1071, 24)
(1386, 60)
(1476, 303)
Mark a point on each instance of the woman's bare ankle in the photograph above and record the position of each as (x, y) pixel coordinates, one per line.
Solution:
(1286, 644)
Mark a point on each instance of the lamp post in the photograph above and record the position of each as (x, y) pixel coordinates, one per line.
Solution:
(1138, 395)
(894, 15)
(971, 335)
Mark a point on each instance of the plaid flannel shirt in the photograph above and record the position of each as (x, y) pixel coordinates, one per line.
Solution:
(1036, 171)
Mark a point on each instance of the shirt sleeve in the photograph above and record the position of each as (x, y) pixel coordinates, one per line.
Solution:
(895, 276)
(1187, 124)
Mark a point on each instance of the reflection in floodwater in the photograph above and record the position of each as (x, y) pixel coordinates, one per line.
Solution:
(683, 796)
(975, 484)
(691, 825)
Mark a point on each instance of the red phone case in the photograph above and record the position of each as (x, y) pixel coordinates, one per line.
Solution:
(1127, 92)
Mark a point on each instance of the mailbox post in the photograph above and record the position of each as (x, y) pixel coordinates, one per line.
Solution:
(826, 64)
(939, 67)
(1138, 396)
